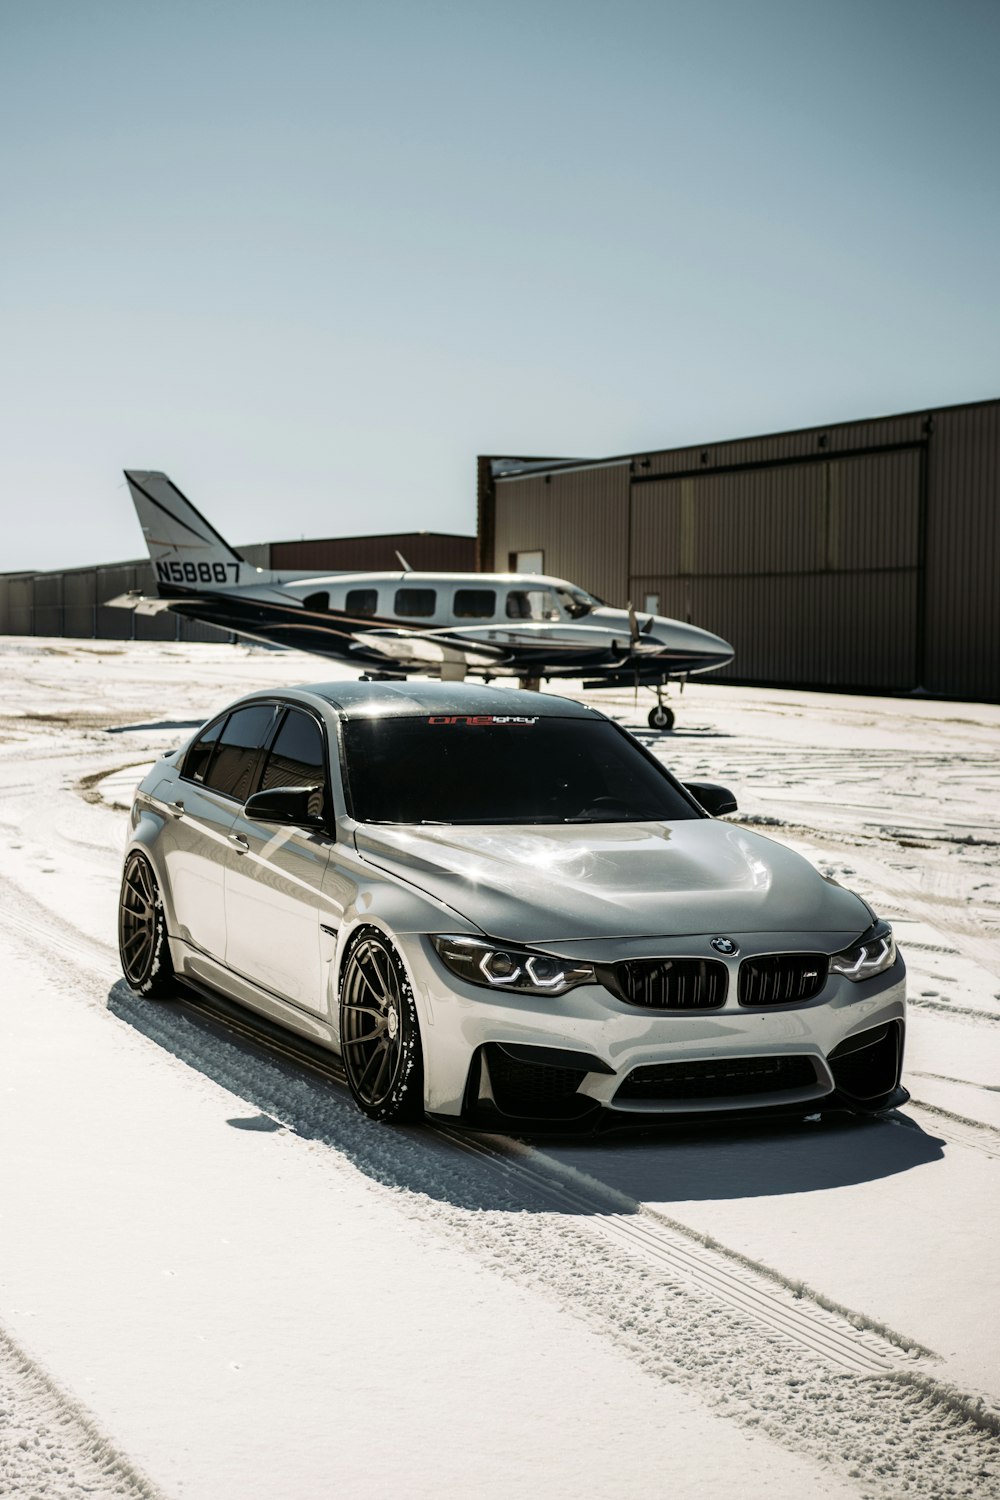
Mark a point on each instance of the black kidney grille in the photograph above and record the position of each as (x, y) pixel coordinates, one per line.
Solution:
(781, 978)
(720, 1078)
(673, 983)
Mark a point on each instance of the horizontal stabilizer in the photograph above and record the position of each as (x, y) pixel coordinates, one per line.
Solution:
(141, 603)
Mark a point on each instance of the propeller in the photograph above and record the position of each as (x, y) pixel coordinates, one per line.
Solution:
(636, 632)
(633, 630)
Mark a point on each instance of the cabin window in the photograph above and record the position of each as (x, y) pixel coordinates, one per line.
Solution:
(320, 601)
(361, 601)
(416, 603)
(475, 604)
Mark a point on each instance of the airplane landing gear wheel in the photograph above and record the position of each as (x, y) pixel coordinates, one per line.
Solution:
(661, 717)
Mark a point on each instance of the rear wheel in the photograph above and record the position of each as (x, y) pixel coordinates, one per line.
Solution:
(142, 931)
(380, 1033)
(661, 717)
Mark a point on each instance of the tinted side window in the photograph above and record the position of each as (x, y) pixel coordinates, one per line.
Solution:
(361, 601)
(475, 604)
(297, 757)
(198, 757)
(319, 601)
(235, 761)
(416, 602)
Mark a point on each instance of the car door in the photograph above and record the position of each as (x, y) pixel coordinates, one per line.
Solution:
(276, 904)
(203, 803)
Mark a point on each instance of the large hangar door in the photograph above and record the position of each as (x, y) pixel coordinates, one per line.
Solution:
(812, 570)
(577, 520)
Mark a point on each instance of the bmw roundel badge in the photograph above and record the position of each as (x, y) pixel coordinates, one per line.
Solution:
(725, 945)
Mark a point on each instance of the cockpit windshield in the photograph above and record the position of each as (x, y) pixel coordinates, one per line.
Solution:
(576, 602)
(545, 603)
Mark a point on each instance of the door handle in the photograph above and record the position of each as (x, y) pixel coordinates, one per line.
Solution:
(242, 844)
(177, 808)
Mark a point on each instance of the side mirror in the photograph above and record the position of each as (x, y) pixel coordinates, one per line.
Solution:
(716, 800)
(301, 805)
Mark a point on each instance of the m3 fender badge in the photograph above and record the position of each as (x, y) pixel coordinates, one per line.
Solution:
(724, 945)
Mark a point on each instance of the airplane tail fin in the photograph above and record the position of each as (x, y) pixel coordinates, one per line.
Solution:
(184, 548)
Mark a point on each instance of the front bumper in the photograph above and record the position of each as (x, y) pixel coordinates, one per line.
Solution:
(587, 1057)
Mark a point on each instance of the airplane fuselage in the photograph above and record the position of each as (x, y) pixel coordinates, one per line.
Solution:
(497, 624)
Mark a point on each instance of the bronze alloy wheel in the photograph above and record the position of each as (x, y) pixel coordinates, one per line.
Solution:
(380, 1033)
(142, 931)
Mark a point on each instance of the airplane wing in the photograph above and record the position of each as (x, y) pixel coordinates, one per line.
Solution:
(411, 648)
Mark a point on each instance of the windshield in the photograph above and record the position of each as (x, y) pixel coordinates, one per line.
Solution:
(503, 769)
(545, 603)
(576, 603)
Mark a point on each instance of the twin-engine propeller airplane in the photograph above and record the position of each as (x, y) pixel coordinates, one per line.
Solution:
(446, 625)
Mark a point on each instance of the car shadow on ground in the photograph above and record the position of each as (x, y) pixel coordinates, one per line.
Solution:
(756, 1160)
(751, 1159)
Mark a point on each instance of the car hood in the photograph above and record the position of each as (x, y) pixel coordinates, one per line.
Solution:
(556, 883)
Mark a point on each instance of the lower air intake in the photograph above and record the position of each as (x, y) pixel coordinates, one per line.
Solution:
(529, 1090)
(720, 1078)
(867, 1066)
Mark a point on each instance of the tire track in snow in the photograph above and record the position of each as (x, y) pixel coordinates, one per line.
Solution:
(761, 1293)
(50, 1445)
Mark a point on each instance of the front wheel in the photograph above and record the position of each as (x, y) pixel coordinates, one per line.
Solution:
(142, 931)
(380, 1033)
(661, 717)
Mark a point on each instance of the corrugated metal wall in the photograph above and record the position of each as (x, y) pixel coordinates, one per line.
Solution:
(963, 552)
(425, 551)
(864, 555)
(73, 603)
(577, 520)
(813, 565)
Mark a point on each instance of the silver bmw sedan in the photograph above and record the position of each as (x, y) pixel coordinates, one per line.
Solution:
(497, 907)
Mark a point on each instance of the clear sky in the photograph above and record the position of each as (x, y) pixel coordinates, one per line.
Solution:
(311, 258)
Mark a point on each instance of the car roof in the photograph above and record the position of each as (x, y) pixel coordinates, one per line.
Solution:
(358, 700)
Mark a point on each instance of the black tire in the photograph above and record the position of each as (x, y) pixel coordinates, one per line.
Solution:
(142, 932)
(661, 717)
(380, 1032)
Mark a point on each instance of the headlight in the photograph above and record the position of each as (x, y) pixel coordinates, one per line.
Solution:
(504, 968)
(871, 955)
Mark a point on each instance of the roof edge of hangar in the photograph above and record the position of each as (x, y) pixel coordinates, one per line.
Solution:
(361, 699)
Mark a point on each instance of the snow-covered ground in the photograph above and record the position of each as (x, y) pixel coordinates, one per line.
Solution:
(219, 1282)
